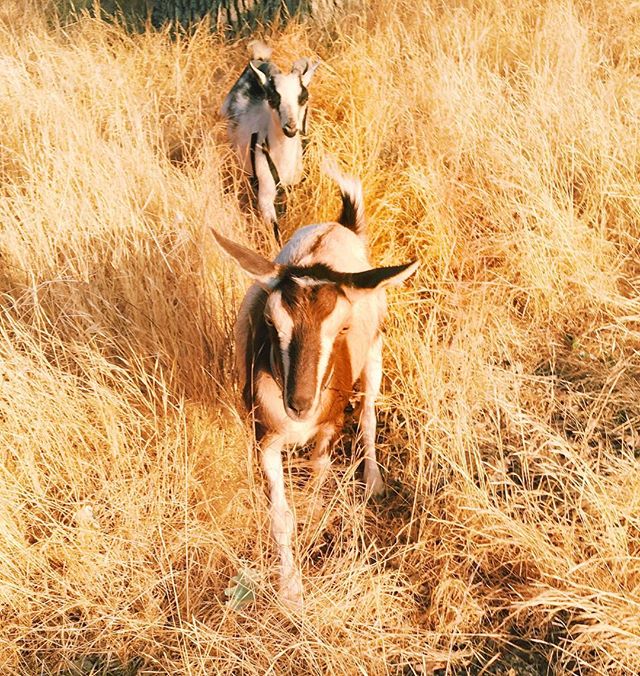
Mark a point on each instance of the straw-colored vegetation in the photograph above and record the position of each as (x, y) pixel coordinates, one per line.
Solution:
(497, 142)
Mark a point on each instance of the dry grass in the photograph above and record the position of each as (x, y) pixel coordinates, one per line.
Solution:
(499, 143)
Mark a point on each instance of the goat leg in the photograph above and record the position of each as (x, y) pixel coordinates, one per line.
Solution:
(282, 521)
(371, 379)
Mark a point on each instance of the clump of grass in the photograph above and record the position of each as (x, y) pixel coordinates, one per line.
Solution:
(496, 143)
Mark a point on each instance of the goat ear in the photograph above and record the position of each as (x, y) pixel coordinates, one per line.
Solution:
(261, 77)
(305, 69)
(379, 278)
(255, 265)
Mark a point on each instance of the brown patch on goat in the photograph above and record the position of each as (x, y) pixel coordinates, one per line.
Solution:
(341, 386)
(308, 306)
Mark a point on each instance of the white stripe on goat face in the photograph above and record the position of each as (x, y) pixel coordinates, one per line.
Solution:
(282, 322)
(307, 315)
(293, 101)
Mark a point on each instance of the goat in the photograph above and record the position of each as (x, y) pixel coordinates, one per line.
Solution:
(267, 112)
(307, 330)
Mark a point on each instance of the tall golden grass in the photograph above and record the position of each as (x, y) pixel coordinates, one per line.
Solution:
(499, 143)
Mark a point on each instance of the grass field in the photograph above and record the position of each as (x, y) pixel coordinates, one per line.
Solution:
(499, 143)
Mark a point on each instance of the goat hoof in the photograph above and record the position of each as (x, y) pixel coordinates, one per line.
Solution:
(375, 485)
(291, 590)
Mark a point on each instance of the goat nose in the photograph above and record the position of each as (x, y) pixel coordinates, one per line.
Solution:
(300, 404)
(290, 129)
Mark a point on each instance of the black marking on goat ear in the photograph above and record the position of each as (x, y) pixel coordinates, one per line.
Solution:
(371, 279)
(308, 72)
(304, 122)
(259, 74)
(319, 271)
(366, 280)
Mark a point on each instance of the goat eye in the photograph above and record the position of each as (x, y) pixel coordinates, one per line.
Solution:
(267, 321)
(344, 329)
(303, 98)
(273, 97)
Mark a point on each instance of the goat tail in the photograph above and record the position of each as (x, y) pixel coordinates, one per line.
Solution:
(259, 50)
(352, 214)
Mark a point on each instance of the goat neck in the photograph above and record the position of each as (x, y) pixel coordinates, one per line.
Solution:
(285, 152)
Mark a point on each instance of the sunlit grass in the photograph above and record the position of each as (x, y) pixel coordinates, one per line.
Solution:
(498, 143)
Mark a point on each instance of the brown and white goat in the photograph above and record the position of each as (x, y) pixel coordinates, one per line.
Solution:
(307, 330)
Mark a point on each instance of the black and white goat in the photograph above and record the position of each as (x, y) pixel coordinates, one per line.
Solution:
(267, 113)
(307, 330)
